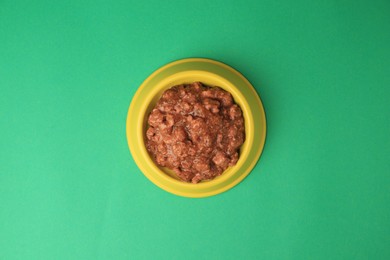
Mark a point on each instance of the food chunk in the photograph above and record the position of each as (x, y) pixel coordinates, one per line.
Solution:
(196, 131)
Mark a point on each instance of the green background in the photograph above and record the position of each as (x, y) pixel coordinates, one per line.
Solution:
(69, 188)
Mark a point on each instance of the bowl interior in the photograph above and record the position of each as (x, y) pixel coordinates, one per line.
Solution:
(209, 79)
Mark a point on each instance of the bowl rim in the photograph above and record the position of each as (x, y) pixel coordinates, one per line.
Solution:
(232, 81)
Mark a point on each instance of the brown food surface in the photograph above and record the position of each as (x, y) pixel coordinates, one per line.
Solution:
(196, 131)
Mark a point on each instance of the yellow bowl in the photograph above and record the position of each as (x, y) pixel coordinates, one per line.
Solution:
(212, 73)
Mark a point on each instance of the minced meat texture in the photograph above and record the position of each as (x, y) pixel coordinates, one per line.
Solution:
(196, 131)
